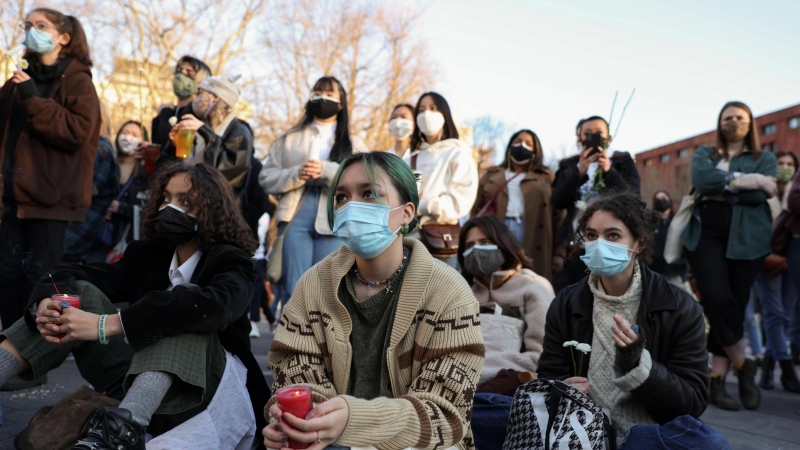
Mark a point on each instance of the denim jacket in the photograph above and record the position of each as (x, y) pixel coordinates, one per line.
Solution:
(751, 222)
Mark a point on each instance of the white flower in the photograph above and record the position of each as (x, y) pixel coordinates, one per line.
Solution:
(570, 343)
(23, 63)
(172, 121)
(581, 205)
(585, 348)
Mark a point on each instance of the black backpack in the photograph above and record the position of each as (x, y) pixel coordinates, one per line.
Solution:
(551, 415)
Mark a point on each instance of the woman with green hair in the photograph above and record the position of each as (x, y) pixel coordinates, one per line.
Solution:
(387, 337)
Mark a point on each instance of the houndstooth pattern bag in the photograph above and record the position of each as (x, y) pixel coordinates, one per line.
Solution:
(551, 415)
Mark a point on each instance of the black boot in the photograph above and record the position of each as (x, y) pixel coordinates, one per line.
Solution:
(110, 429)
(749, 394)
(789, 377)
(767, 373)
(719, 396)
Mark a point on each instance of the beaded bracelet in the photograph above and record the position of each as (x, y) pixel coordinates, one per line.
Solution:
(102, 330)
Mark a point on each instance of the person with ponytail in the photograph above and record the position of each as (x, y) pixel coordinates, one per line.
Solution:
(518, 192)
(50, 132)
(299, 169)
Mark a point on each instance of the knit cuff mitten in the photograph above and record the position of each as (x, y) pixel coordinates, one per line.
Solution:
(27, 89)
(628, 358)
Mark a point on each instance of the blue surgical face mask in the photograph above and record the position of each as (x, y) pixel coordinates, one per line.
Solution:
(364, 228)
(606, 258)
(40, 42)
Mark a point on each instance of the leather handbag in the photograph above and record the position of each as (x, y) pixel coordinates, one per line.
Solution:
(441, 239)
(781, 236)
(491, 206)
(274, 270)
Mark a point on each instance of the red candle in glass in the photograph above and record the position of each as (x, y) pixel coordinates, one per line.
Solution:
(295, 400)
(74, 301)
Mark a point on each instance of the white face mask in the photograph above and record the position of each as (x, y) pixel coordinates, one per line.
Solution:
(430, 122)
(401, 128)
(127, 144)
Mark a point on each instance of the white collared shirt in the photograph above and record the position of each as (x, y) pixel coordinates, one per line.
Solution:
(183, 273)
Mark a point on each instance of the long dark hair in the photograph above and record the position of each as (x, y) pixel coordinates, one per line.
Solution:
(632, 211)
(448, 132)
(750, 141)
(145, 136)
(672, 207)
(77, 47)
(219, 218)
(497, 232)
(536, 164)
(783, 153)
(342, 147)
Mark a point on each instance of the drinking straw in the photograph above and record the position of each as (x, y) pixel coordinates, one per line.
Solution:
(54, 283)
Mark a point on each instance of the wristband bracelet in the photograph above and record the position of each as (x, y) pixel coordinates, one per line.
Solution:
(102, 330)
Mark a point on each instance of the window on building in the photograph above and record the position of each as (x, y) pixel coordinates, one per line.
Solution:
(648, 162)
(683, 153)
(770, 129)
(770, 147)
(794, 122)
(664, 158)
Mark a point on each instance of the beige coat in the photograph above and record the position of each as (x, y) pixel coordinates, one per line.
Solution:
(281, 175)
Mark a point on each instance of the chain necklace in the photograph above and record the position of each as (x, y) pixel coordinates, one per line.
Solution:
(388, 289)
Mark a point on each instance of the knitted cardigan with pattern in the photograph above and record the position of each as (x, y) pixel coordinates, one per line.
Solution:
(435, 354)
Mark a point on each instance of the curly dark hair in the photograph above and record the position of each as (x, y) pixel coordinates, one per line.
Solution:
(497, 232)
(632, 211)
(219, 218)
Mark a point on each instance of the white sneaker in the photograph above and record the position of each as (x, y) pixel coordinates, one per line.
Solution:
(254, 333)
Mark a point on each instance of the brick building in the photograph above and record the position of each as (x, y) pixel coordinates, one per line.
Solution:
(668, 167)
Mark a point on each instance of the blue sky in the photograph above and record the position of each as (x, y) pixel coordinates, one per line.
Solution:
(545, 64)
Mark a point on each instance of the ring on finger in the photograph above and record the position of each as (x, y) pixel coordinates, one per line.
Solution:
(56, 321)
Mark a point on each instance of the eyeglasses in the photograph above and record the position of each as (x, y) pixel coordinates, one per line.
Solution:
(41, 26)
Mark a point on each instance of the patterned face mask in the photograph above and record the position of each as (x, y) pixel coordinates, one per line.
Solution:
(183, 86)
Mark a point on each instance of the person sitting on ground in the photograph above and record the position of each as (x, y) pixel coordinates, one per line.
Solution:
(648, 362)
(390, 339)
(189, 285)
(494, 263)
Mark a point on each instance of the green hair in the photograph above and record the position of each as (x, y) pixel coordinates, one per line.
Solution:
(403, 179)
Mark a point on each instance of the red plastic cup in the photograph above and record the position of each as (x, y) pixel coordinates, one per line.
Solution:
(295, 400)
(74, 301)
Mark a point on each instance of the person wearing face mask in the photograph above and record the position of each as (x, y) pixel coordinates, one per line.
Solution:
(367, 309)
(793, 259)
(401, 126)
(518, 192)
(498, 270)
(580, 179)
(675, 273)
(648, 365)
(189, 73)
(83, 241)
(188, 284)
(727, 240)
(300, 167)
(449, 174)
(49, 134)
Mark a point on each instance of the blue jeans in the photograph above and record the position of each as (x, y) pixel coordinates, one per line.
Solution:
(303, 246)
(685, 432)
(750, 325)
(778, 298)
(793, 260)
(490, 419)
(517, 229)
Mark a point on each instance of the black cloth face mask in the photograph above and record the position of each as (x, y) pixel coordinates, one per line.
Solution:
(323, 108)
(662, 204)
(520, 154)
(175, 225)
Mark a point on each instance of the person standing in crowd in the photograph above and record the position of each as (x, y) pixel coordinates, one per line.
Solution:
(189, 284)
(518, 192)
(401, 125)
(579, 180)
(367, 309)
(49, 130)
(674, 273)
(449, 174)
(83, 241)
(189, 73)
(777, 293)
(131, 138)
(793, 259)
(728, 244)
(648, 362)
(300, 167)
(496, 267)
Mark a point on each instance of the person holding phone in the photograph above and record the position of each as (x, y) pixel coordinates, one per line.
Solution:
(579, 181)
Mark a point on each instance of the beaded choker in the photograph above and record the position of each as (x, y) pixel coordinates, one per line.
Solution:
(369, 284)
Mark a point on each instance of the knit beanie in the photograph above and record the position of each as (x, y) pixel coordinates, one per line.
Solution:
(223, 88)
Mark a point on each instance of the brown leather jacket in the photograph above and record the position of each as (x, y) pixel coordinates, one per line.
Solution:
(54, 155)
(540, 222)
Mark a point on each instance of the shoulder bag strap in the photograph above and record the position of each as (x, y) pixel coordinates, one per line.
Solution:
(125, 188)
(494, 197)
(414, 161)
